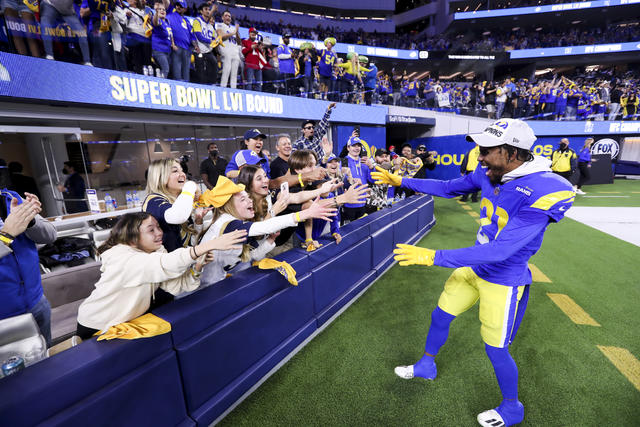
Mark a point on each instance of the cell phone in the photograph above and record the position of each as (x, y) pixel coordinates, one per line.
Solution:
(356, 129)
(284, 188)
(344, 162)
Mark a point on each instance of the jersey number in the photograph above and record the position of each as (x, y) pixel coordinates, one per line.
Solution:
(486, 215)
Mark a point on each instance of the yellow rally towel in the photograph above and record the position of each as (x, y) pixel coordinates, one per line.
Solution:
(281, 267)
(220, 194)
(146, 326)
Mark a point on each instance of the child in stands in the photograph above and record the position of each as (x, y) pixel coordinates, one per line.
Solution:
(135, 264)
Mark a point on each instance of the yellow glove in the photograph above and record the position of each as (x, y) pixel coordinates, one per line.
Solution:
(385, 177)
(409, 255)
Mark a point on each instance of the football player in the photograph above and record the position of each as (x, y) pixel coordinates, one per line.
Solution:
(520, 198)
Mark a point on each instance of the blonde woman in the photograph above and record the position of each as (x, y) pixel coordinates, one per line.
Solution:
(135, 265)
(234, 211)
(170, 201)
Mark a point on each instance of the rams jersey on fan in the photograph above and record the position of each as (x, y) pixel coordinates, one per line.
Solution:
(513, 218)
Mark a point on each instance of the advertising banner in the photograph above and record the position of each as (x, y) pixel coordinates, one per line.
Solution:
(34, 78)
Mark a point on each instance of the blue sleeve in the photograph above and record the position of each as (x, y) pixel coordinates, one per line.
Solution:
(231, 166)
(452, 188)
(334, 225)
(237, 224)
(156, 206)
(518, 232)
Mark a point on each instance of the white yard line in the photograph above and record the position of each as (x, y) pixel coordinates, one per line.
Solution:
(623, 223)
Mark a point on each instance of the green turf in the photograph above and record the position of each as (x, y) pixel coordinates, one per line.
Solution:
(624, 192)
(345, 375)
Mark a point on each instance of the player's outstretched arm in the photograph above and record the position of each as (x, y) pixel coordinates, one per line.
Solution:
(382, 176)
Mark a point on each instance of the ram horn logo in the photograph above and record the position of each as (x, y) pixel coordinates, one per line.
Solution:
(4, 74)
(501, 124)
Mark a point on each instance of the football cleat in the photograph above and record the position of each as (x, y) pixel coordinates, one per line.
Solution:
(507, 414)
(425, 368)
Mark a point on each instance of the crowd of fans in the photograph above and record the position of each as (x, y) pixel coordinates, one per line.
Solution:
(121, 35)
(248, 208)
(594, 96)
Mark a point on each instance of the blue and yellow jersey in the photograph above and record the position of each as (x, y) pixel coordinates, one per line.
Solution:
(174, 236)
(203, 30)
(325, 62)
(513, 218)
(411, 88)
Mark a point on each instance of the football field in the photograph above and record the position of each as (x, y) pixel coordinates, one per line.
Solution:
(578, 348)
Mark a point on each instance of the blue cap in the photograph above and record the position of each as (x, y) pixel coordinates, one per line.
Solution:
(254, 133)
(181, 3)
(332, 157)
(354, 140)
(248, 157)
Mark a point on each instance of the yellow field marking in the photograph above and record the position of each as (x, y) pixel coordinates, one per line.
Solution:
(461, 202)
(572, 310)
(474, 214)
(467, 207)
(635, 192)
(478, 221)
(537, 275)
(608, 192)
(626, 363)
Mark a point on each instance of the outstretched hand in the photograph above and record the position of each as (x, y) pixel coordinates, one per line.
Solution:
(410, 255)
(227, 241)
(319, 210)
(357, 193)
(382, 176)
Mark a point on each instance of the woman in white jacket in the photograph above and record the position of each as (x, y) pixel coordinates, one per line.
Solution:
(135, 265)
(234, 211)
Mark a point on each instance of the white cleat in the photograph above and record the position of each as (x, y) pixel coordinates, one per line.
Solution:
(579, 191)
(491, 418)
(404, 372)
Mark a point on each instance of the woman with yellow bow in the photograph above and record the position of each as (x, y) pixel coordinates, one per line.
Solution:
(234, 211)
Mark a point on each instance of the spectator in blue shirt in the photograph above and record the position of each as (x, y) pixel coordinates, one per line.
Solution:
(286, 65)
(368, 79)
(184, 40)
(162, 39)
(97, 14)
(253, 139)
(360, 173)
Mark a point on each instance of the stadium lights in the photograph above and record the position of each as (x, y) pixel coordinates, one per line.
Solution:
(515, 28)
(486, 33)
(575, 22)
(539, 29)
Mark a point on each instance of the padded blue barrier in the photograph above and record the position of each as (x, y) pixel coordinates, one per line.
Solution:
(382, 242)
(224, 339)
(98, 383)
(352, 234)
(221, 354)
(333, 279)
(406, 227)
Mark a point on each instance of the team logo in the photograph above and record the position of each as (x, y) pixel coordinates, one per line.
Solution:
(423, 54)
(606, 146)
(501, 124)
(413, 54)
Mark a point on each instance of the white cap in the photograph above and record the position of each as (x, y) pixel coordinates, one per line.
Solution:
(505, 131)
